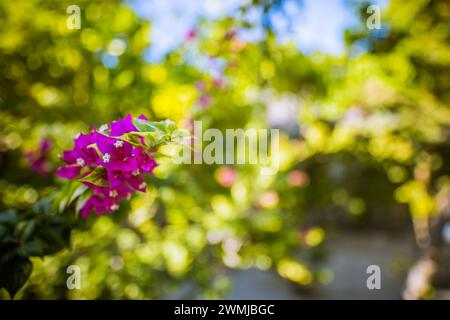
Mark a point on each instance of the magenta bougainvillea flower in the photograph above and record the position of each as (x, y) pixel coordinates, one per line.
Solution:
(191, 35)
(110, 166)
(38, 160)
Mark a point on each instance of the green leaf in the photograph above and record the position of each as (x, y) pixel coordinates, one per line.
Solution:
(131, 138)
(153, 139)
(96, 177)
(26, 230)
(14, 274)
(54, 239)
(81, 201)
(7, 254)
(8, 216)
(45, 206)
(64, 195)
(35, 247)
(155, 134)
(180, 134)
(78, 192)
(8, 250)
(165, 126)
(3, 232)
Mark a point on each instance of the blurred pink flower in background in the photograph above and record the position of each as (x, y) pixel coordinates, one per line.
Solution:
(204, 101)
(269, 199)
(219, 83)
(297, 178)
(226, 176)
(38, 160)
(230, 34)
(191, 35)
(200, 85)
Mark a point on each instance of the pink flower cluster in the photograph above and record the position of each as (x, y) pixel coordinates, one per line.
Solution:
(121, 165)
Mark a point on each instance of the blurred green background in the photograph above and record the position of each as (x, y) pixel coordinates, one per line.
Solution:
(364, 141)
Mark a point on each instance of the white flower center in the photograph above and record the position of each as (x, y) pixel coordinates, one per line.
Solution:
(135, 172)
(103, 127)
(80, 162)
(142, 185)
(113, 193)
(114, 207)
(106, 157)
(118, 144)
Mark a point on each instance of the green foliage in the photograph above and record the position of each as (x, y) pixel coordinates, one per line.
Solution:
(37, 232)
(14, 273)
(154, 134)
